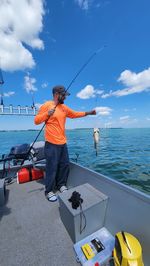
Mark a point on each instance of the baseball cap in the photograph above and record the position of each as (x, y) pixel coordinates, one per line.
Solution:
(60, 89)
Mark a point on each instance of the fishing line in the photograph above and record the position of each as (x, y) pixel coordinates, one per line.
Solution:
(1, 84)
(96, 130)
(85, 64)
(70, 84)
(96, 105)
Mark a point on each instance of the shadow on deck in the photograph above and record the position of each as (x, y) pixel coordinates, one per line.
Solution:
(31, 231)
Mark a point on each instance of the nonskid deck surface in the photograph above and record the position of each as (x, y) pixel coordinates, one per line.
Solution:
(31, 231)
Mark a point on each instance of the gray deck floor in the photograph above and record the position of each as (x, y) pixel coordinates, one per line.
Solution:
(31, 231)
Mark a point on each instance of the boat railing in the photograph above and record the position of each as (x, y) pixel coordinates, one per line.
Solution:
(18, 110)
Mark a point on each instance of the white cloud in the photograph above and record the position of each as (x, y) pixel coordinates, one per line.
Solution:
(136, 83)
(102, 4)
(148, 118)
(106, 95)
(129, 110)
(103, 110)
(86, 4)
(88, 92)
(9, 94)
(83, 4)
(44, 85)
(123, 118)
(127, 120)
(20, 23)
(29, 84)
(99, 92)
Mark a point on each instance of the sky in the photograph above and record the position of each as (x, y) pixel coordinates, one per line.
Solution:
(44, 43)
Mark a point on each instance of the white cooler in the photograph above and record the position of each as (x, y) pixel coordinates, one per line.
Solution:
(101, 257)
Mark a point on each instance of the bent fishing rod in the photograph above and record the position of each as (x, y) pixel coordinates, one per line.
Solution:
(70, 84)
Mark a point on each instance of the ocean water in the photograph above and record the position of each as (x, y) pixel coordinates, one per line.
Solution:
(123, 154)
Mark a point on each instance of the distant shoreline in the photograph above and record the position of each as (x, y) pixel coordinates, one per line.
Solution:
(86, 128)
(21, 130)
(18, 130)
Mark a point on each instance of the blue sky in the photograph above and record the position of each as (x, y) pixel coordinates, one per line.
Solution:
(49, 41)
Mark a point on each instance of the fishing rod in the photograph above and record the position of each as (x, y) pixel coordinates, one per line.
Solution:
(84, 65)
(70, 84)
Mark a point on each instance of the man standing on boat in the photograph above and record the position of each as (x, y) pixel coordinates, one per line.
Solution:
(54, 114)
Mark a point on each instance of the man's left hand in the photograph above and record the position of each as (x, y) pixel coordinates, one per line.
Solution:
(93, 112)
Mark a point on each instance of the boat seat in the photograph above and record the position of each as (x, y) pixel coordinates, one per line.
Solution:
(40, 165)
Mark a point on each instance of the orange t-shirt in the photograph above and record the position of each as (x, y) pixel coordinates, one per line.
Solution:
(55, 126)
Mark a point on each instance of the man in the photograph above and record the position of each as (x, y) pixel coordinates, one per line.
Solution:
(54, 114)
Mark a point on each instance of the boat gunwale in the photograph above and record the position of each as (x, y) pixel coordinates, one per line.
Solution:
(132, 191)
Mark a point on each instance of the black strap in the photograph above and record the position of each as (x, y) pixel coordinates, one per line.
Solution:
(77, 201)
(30, 174)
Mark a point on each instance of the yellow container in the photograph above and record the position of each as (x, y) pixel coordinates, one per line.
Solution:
(88, 252)
(127, 251)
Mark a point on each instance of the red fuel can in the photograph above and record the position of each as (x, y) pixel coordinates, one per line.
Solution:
(37, 174)
(28, 174)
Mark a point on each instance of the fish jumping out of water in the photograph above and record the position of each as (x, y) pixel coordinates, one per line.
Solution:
(96, 136)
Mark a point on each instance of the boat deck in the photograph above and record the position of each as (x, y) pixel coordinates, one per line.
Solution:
(31, 231)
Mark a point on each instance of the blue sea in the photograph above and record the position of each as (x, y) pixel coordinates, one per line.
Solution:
(123, 154)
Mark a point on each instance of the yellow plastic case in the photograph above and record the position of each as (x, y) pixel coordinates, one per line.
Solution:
(127, 251)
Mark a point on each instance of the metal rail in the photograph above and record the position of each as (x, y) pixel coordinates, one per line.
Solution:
(18, 110)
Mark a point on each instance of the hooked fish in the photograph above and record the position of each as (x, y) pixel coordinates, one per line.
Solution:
(96, 136)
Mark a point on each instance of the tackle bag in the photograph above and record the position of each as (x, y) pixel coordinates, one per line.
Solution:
(19, 151)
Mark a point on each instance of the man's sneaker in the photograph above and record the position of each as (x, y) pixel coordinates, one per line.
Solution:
(51, 196)
(63, 189)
